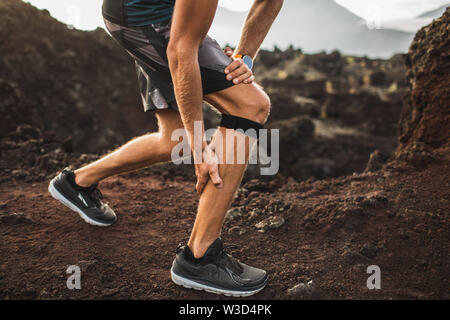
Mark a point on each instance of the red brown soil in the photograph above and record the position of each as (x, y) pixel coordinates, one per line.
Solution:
(395, 215)
(400, 211)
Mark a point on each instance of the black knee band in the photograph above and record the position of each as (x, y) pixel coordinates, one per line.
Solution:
(233, 122)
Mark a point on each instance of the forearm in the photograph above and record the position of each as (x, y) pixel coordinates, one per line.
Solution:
(186, 36)
(257, 24)
(186, 78)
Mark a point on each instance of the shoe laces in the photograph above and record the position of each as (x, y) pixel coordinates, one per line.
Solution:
(95, 194)
(229, 260)
(179, 247)
(224, 257)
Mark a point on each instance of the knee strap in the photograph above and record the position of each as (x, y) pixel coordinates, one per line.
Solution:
(233, 122)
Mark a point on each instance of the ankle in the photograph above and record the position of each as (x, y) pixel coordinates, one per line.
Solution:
(197, 251)
(82, 180)
(199, 248)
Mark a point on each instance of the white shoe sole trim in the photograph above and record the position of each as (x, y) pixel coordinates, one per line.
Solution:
(58, 196)
(199, 286)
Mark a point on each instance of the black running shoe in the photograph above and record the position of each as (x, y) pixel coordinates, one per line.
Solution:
(216, 272)
(86, 201)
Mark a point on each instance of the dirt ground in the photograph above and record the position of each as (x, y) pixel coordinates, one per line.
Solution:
(334, 229)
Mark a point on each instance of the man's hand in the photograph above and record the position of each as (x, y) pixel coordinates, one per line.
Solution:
(238, 71)
(208, 168)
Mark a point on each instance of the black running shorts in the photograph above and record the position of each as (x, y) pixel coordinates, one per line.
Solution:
(148, 44)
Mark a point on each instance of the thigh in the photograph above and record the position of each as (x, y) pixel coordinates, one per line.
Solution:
(239, 99)
(168, 121)
(235, 100)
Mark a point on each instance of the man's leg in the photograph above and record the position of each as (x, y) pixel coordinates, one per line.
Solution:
(246, 101)
(138, 153)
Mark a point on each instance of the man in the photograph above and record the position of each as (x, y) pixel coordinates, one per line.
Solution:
(178, 67)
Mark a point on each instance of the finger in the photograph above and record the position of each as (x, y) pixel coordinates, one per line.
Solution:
(250, 80)
(228, 51)
(243, 77)
(238, 72)
(201, 182)
(215, 177)
(233, 66)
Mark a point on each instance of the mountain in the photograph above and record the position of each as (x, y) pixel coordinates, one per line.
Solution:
(317, 25)
(414, 24)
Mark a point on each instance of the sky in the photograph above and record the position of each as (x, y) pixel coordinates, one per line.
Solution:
(85, 14)
(392, 9)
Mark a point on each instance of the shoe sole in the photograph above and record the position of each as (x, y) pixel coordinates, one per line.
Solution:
(187, 283)
(58, 196)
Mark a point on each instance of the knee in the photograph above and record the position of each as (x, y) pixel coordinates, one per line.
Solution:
(264, 109)
(259, 107)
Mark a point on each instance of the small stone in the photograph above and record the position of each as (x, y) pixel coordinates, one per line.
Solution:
(254, 213)
(252, 195)
(18, 174)
(273, 222)
(233, 213)
(243, 192)
(3, 205)
(302, 290)
(236, 231)
(369, 250)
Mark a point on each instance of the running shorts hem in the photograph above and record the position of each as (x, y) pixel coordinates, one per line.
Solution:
(147, 45)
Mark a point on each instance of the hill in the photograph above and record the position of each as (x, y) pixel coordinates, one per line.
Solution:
(73, 83)
(317, 25)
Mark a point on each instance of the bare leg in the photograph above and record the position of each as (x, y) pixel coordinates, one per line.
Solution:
(246, 101)
(135, 154)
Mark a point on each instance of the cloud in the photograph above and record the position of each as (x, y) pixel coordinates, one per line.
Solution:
(391, 9)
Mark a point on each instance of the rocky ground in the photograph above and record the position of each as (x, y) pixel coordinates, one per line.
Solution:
(315, 227)
(327, 231)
